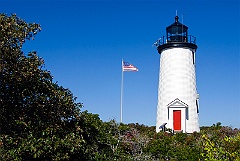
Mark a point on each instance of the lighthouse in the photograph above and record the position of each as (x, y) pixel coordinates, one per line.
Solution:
(178, 100)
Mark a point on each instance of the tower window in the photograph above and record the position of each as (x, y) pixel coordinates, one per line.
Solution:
(197, 106)
(193, 57)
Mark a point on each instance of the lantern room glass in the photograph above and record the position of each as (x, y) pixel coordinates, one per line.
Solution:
(177, 32)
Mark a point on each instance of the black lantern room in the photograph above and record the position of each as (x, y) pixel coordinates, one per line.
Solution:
(176, 36)
(177, 32)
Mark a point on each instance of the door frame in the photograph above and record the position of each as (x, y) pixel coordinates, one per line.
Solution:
(178, 105)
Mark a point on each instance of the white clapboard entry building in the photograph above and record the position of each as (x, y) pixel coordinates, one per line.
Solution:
(178, 104)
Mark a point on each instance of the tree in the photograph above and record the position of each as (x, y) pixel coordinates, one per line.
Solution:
(35, 112)
(39, 119)
(29, 97)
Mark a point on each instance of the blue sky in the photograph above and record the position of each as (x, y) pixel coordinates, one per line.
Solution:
(83, 43)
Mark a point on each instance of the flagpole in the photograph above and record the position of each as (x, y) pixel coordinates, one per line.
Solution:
(121, 95)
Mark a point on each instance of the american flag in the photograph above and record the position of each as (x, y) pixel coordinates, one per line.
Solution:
(128, 67)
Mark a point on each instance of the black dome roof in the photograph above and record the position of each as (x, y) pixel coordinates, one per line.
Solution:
(176, 27)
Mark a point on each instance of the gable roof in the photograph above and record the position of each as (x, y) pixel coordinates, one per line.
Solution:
(177, 103)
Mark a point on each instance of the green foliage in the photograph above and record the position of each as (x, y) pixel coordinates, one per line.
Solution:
(49, 146)
(212, 143)
(220, 143)
(15, 31)
(28, 95)
(34, 109)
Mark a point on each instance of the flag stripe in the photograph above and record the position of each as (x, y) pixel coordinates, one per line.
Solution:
(128, 67)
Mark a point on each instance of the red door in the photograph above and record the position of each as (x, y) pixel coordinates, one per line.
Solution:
(176, 119)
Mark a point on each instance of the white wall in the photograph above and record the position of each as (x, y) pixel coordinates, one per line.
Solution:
(177, 79)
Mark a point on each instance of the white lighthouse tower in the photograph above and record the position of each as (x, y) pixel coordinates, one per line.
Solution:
(177, 107)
